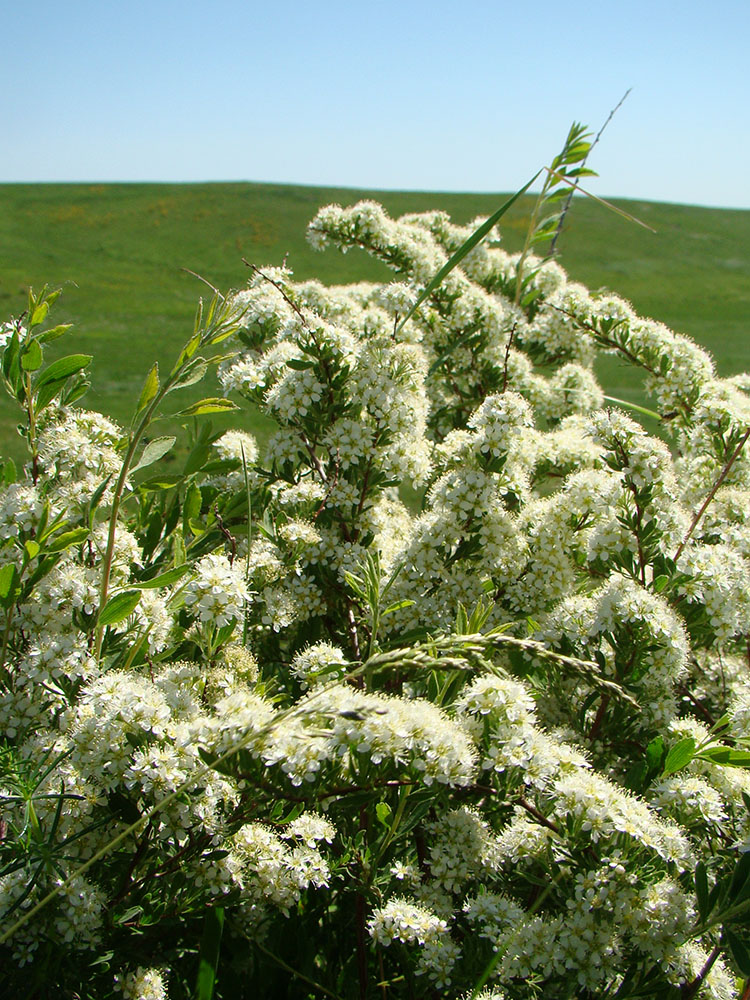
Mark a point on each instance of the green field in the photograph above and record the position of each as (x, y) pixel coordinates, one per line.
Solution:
(119, 250)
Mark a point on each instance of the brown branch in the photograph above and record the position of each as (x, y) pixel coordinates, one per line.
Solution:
(690, 990)
(687, 693)
(539, 816)
(507, 355)
(599, 719)
(712, 493)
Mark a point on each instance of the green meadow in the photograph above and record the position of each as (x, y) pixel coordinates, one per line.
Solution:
(123, 253)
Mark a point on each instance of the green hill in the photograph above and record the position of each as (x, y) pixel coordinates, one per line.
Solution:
(118, 251)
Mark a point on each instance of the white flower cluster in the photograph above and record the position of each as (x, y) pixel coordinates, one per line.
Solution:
(437, 637)
(218, 593)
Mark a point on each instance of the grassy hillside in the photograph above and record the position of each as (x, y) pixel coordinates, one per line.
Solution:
(118, 252)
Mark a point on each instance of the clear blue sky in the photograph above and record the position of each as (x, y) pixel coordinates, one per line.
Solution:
(428, 95)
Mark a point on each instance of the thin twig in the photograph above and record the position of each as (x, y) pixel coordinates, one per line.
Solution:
(227, 534)
(279, 288)
(566, 206)
(712, 493)
(508, 347)
(539, 816)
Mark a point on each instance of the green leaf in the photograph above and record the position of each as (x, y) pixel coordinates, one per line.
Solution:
(32, 548)
(163, 579)
(63, 368)
(63, 541)
(211, 404)
(118, 607)
(679, 756)
(406, 603)
(701, 891)
(10, 354)
(188, 350)
(10, 473)
(153, 451)
(660, 583)
(8, 577)
(476, 237)
(158, 483)
(130, 914)
(53, 333)
(47, 393)
(31, 356)
(739, 887)
(725, 756)
(150, 388)
(739, 952)
(383, 811)
(97, 495)
(191, 508)
(655, 752)
(39, 314)
(208, 957)
(193, 373)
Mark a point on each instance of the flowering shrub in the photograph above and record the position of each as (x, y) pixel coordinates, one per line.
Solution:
(271, 730)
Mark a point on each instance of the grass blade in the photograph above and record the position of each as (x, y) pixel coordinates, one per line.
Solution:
(476, 237)
(208, 958)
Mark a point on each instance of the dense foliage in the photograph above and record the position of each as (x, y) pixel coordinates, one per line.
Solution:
(271, 729)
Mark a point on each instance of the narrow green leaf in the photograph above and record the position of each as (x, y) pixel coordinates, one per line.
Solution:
(193, 373)
(31, 356)
(118, 607)
(655, 752)
(10, 473)
(476, 237)
(188, 350)
(53, 333)
(164, 579)
(150, 388)
(405, 603)
(153, 451)
(10, 354)
(740, 884)
(208, 958)
(679, 756)
(97, 495)
(63, 541)
(701, 891)
(8, 577)
(47, 393)
(212, 404)
(74, 389)
(62, 368)
(39, 314)
(660, 582)
(739, 952)
(191, 508)
(634, 406)
(158, 483)
(725, 756)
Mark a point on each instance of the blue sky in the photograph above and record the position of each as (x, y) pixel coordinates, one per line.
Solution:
(426, 95)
